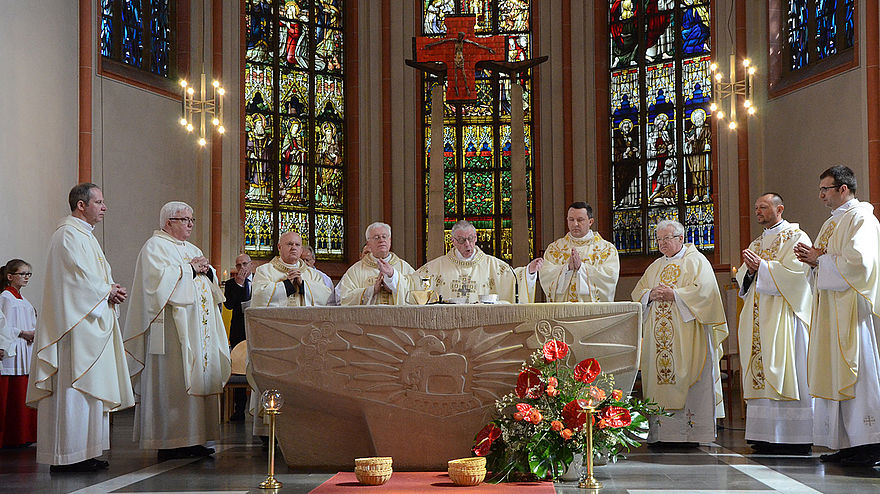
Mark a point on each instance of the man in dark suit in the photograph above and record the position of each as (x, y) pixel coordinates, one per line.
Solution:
(238, 293)
(238, 290)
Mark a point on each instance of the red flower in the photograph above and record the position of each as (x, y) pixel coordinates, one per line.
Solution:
(617, 395)
(586, 370)
(574, 414)
(528, 384)
(555, 350)
(614, 417)
(485, 438)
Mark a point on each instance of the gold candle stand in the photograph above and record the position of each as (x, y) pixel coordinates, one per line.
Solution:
(590, 482)
(271, 482)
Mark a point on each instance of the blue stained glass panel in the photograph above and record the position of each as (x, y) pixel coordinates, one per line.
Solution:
(850, 25)
(160, 57)
(798, 16)
(700, 226)
(435, 12)
(258, 31)
(107, 7)
(257, 231)
(131, 12)
(826, 27)
(132, 46)
(106, 36)
(696, 29)
(329, 234)
(294, 221)
(628, 232)
(159, 19)
(696, 81)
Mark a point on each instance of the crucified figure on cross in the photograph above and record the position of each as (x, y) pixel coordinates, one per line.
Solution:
(458, 58)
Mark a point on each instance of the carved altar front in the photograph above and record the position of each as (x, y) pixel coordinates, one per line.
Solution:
(415, 382)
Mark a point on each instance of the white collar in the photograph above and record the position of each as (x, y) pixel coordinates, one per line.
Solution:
(679, 254)
(778, 227)
(585, 238)
(462, 258)
(845, 207)
(89, 227)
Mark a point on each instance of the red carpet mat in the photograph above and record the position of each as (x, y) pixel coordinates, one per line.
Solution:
(409, 482)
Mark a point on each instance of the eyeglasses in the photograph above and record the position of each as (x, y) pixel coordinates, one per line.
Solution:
(464, 240)
(26, 275)
(826, 189)
(667, 238)
(189, 221)
(380, 237)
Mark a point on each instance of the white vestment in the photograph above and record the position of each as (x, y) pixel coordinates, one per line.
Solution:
(74, 391)
(177, 346)
(453, 277)
(7, 339)
(356, 285)
(594, 281)
(269, 289)
(682, 346)
(843, 363)
(20, 316)
(773, 339)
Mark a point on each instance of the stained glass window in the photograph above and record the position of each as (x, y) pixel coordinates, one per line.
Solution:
(476, 141)
(817, 29)
(295, 125)
(138, 33)
(661, 147)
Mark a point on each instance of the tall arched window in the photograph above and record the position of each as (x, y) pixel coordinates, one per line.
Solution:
(477, 136)
(294, 123)
(661, 150)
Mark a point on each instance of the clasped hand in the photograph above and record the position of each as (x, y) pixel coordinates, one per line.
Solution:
(808, 254)
(574, 261)
(118, 294)
(200, 265)
(751, 260)
(662, 293)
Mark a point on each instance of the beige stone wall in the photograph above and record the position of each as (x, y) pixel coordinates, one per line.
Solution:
(38, 128)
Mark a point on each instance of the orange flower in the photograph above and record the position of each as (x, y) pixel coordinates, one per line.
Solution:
(518, 416)
(552, 381)
(551, 391)
(535, 416)
(556, 425)
(566, 434)
(617, 395)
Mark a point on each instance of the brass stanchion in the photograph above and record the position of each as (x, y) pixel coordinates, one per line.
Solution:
(271, 401)
(590, 482)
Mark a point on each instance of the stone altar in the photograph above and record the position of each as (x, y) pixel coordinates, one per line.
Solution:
(415, 382)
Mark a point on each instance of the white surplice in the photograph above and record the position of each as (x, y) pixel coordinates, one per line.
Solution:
(20, 316)
(177, 346)
(74, 391)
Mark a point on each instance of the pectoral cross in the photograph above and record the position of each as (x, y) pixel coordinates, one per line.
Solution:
(869, 421)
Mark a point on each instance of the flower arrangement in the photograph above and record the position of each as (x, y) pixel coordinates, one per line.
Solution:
(543, 423)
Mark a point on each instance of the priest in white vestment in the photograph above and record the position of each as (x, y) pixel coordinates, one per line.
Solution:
(773, 335)
(684, 327)
(176, 342)
(380, 277)
(843, 365)
(581, 266)
(78, 372)
(466, 272)
(286, 280)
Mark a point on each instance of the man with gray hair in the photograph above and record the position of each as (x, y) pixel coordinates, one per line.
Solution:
(684, 327)
(466, 272)
(176, 343)
(286, 280)
(380, 277)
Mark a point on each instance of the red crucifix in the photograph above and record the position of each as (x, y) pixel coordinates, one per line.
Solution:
(460, 51)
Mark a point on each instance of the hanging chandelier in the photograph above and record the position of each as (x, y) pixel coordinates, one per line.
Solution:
(203, 106)
(724, 93)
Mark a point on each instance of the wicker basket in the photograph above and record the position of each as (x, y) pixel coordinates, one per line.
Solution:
(467, 471)
(374, 470)
(373, 476)
(467, 477)
(472, 462)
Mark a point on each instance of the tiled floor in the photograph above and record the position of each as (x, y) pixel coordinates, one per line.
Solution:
(240, 464)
